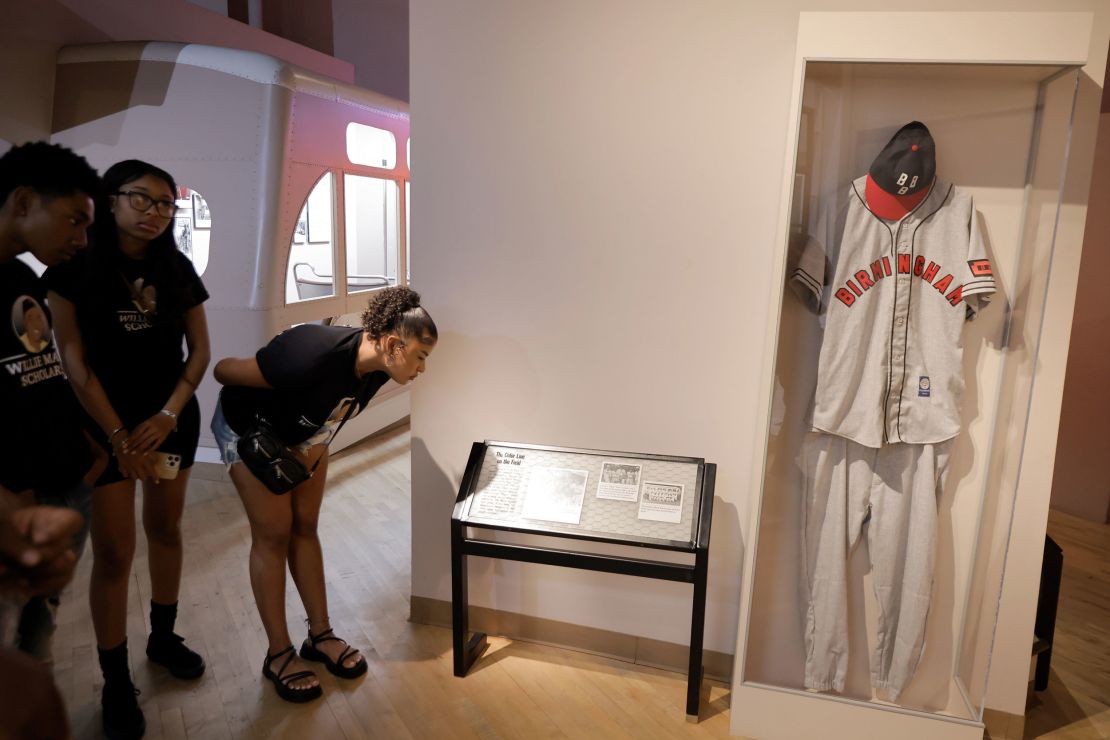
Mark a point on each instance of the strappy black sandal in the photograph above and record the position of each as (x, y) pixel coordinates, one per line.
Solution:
(335, 667)
(282, 682)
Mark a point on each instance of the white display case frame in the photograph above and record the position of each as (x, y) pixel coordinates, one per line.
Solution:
(1043, 40)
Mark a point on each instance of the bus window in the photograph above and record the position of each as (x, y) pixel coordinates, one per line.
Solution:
(372, 221)
(311, 272)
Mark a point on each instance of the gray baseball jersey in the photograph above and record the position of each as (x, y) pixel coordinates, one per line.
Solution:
(895, 296)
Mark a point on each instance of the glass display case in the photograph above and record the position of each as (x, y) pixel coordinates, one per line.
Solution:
(877, 473)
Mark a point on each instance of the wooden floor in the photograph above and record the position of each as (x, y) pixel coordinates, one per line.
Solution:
(518, 690)
(1077, 701)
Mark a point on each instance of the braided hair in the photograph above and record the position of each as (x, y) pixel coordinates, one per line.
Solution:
(397, 309)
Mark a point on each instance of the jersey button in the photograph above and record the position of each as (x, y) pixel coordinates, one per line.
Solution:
(900, 321)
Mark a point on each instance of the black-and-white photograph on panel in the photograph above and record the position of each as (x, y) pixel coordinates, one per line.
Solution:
(661, 502)
(619, 481)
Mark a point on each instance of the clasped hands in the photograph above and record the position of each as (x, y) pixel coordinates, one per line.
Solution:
(133, 451)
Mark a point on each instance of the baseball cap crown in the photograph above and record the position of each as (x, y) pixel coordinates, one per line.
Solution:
(907, 163)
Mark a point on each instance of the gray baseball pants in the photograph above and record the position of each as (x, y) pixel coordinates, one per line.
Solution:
(893, 491)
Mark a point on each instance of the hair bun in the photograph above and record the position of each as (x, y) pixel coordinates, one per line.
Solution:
(409, 298)
(387, 307)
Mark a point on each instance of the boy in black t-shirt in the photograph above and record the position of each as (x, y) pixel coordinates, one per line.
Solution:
(46, 204)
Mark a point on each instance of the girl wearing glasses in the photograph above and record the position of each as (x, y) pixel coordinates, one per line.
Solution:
(122, 310)
(303, 383)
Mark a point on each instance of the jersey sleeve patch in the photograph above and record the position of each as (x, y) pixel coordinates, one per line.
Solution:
(980, 268)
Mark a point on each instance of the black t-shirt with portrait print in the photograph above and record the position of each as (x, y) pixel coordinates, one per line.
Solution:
(312, 371)
(132, 333)
(41, 444)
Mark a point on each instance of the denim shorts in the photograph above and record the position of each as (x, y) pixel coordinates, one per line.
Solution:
(228, 441)
(226, 438)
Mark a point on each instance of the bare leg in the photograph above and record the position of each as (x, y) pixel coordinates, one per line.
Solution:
(306, 559)
(163, 503)
(113, 545)
(271, 519)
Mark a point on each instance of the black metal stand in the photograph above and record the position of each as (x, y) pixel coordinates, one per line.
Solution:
(1044, 628)
(466, 651)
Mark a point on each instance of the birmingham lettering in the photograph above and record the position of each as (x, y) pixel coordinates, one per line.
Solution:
(880, 269)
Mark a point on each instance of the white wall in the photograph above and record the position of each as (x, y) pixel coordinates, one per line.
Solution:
(596, 193)
(579, 200)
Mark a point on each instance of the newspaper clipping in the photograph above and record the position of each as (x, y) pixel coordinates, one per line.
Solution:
(661, 502)
(619, 481)
(498, 497)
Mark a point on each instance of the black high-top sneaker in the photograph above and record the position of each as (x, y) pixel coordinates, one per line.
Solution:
(123, 720)
(168, 649)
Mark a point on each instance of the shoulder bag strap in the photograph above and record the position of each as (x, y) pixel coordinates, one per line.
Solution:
(346, 416)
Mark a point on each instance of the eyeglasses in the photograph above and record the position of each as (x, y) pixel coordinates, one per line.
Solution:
(142, 202)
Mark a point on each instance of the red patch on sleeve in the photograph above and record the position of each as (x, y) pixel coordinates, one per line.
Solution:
(979, 268)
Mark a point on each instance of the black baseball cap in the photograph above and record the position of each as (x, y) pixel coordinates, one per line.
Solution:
(908, 162)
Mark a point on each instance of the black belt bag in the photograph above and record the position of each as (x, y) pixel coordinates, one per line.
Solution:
(272, 462)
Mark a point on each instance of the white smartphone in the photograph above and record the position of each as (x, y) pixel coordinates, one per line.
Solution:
(166, 465)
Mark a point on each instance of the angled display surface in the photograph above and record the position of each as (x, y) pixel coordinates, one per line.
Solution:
(606, 496)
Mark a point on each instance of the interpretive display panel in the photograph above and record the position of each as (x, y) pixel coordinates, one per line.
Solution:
(595, 495)
(651, 501)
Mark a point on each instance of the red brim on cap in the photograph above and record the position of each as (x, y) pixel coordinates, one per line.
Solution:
(889, 206)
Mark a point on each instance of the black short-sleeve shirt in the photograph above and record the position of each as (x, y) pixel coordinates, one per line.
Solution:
(312, 371)
(137, 353)
(41, 444)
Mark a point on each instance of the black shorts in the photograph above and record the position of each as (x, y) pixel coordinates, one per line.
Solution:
(182, 441)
